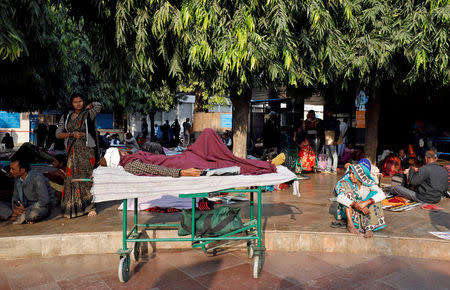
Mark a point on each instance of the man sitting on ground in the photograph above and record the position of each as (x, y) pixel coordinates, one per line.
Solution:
(31, 197)
(430, 181)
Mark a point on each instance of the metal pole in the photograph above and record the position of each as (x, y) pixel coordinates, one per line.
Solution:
(259, 217)
(193, 220)
(124, 234)
(251, 205)
(135, 214)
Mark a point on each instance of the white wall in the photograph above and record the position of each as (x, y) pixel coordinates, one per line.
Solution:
(20, 135)
(184, 109)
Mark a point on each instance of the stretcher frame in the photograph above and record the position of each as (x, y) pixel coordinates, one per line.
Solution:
(250, 232)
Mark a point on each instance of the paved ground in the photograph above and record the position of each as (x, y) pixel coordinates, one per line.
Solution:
(281, 211)
(232, 270)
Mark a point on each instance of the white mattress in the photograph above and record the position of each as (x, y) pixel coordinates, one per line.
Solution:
(116, 184)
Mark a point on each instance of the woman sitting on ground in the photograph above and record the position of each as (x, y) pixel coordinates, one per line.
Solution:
(307, 156)
(359, 201)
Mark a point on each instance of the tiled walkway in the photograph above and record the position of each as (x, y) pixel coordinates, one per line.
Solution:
(193, 270)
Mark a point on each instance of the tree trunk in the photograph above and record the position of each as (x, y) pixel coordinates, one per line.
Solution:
(372, 118)
(199, 105)
(241, 106)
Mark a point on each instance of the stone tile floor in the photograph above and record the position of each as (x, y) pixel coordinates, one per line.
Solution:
(313, 211)
(230, 270)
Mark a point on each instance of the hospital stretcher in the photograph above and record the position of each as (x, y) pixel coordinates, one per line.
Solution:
(116, 184)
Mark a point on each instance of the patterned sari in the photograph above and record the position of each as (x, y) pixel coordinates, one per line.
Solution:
(373, 221)
(76, 199)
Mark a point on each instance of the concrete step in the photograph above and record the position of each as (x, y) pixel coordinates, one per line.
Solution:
(110, 242)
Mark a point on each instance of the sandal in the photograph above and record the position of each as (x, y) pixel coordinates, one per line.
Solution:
(338, 225)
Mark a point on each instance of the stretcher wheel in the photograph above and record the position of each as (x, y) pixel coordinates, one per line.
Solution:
(124, 269)
(256, 266)
(250, 250)
(137, 251)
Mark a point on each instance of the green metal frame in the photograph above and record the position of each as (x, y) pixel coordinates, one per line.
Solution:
(253, 228)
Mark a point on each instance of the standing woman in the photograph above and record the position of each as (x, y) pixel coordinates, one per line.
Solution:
(78, 129)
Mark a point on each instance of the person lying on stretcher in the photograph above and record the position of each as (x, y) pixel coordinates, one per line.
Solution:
(136, 167)
(208, 152)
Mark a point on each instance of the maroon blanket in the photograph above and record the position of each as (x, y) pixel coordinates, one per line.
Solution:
(208, 151)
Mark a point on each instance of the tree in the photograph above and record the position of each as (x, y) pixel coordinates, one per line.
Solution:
(53, 60)
(233, 46)
(118, 32)
(237, 45)
(381, 45)
(29, 66)
(12, 44)
(243, 45)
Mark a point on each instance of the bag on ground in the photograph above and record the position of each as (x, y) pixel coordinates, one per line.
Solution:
(216, 222)
(323, 161)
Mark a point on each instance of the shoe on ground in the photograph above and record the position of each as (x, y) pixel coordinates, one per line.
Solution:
(326, 171)
(20, 220)
(338, 224)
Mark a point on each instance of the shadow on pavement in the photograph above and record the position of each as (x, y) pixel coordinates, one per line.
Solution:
(440, 220)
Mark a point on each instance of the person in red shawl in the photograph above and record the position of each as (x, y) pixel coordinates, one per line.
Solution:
(307, 156)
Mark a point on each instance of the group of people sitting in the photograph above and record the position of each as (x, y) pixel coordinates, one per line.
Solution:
(35, 193)
(359, 197)
(392, 163)
(113, 140)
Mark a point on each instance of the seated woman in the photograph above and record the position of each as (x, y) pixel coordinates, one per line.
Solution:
(360, 199)
(346, 177)
(307, 156)
(391, 165)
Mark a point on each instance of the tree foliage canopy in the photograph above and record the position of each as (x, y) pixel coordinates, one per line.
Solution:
(134, 54)
(53, 61)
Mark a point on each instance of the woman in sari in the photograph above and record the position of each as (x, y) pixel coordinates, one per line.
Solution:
(78, 129)
(307, 156)
(359, 201)
(346, 177)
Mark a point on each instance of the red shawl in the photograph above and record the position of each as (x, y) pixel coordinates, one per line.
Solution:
(208, 151)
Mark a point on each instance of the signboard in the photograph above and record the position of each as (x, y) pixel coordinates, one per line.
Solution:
(361, 119)
(226, 121)
(105, 121)
(9, 120)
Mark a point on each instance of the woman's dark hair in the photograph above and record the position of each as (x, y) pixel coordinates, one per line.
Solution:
(61, 158)
(76, 95)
